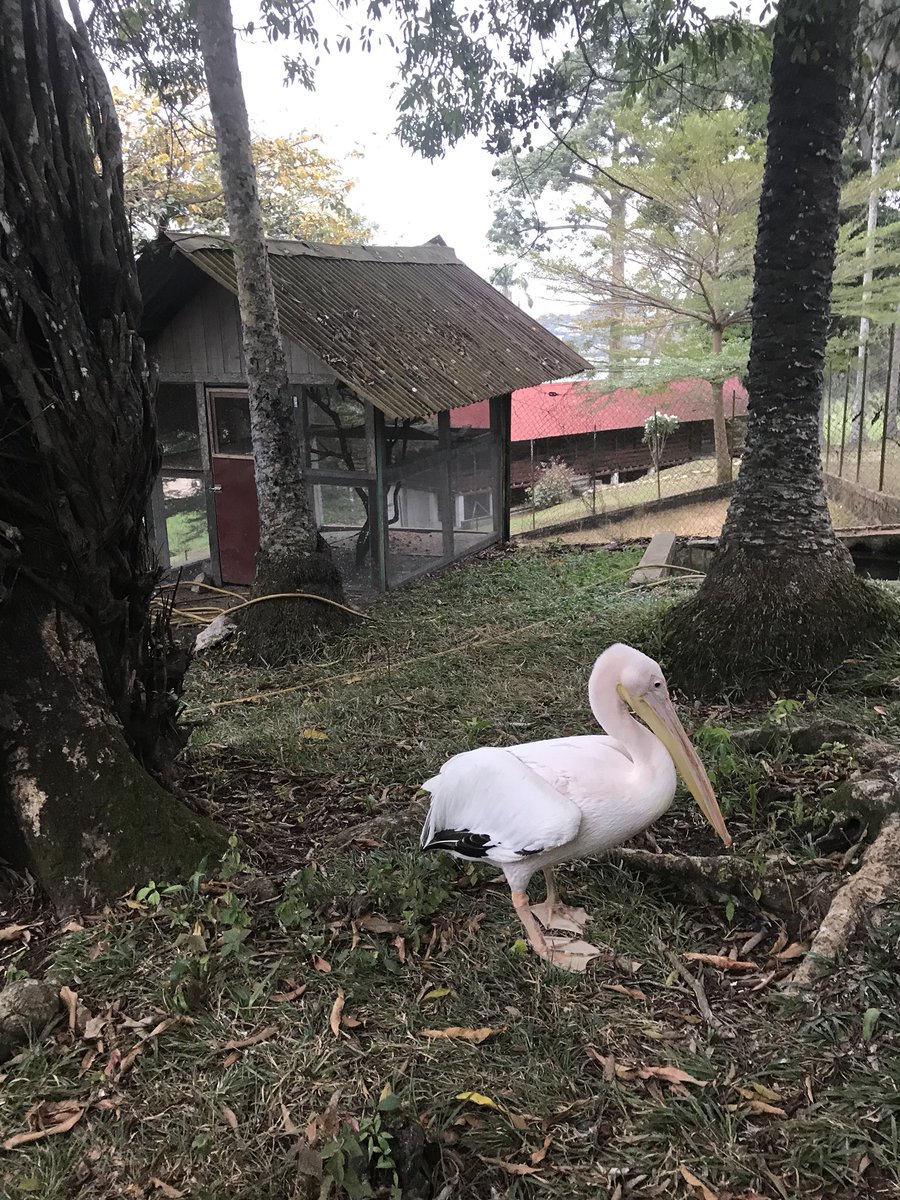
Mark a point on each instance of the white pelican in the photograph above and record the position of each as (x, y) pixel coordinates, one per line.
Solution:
(529, 807)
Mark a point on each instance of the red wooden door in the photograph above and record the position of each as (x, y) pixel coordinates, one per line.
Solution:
(237, 510)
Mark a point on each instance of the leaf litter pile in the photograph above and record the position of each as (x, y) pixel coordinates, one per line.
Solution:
(327, 1013)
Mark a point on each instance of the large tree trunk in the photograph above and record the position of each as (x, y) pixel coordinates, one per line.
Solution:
(89, 682)
(781, 602)
(292, 556)
(79, 809)
(720, 429)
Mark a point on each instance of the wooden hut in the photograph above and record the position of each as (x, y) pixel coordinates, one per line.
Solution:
(387, 347)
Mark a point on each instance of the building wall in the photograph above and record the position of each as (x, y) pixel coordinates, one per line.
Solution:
(619, 450)
(203, 344)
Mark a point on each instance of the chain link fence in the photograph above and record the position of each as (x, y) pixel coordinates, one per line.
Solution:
(590, 466)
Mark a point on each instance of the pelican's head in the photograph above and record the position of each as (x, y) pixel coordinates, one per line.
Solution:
(640, 683)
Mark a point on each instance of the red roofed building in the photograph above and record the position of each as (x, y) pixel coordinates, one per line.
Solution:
(599, 433)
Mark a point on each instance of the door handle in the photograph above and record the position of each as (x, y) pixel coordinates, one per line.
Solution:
(215, 487)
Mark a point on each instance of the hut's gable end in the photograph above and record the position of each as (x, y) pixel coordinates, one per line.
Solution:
(202, 343)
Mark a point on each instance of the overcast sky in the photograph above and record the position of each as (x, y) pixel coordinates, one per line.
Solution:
(406, 199)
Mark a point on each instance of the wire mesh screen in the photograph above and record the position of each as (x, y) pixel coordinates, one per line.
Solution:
(594, 466)
(861, 438)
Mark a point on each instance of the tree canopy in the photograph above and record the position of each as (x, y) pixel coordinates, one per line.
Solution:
(172, 180)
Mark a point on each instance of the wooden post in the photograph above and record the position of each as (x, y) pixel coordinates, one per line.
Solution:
(156, 519)
(887, 404)
(533, 521)
(501, 424)
(380, 548)
(445, 487)
(828, 418)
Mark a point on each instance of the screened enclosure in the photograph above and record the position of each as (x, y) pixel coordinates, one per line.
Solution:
(394, 498)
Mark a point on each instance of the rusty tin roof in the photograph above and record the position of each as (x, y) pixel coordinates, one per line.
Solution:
(411, 329)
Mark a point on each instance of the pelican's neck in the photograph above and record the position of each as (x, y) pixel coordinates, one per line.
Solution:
(611, 711)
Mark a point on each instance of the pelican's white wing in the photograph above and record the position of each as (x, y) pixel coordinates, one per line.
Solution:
(487, 803)
(586, 768)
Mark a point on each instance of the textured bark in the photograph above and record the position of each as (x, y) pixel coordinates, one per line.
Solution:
(85, 817)
(720, 429)
(292, 555)
(780, 602)
(79, 454)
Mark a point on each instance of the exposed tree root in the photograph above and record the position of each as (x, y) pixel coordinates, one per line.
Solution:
(779, 887)
(876, 881)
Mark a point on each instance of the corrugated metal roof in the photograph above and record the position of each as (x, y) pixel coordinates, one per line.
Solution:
(412, 329)
(568, 409)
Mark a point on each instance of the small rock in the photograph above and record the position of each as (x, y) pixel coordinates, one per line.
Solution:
(26, 1006)
(216, 631)
(260, 887)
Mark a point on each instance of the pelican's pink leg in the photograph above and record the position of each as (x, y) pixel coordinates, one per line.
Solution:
(568, 953)
(553, 914)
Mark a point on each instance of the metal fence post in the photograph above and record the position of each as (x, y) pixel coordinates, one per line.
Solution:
(862, 409)
(887, 403)
(844, 422)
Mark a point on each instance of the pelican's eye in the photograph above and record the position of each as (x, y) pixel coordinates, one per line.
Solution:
(658, 683)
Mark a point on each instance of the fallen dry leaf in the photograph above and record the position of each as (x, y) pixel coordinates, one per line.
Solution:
(539, 1155)
(691, 1178)
(509, 1167)
(517, 1121)
(297, 990)
(761, 1106)
(230, 1117)
(167, 1190)
(65, 1116)
(12, 933)
(231, 1059)
(94, 1027)
(720, 961)
(670, 1075)
(373, 924)
(314, 735)
(795, 950)
(461, 1032)
(254, 1039)
(634, 993)
(336, 1009)
(321, 964)
(400, 946)
(131, 1058)
(289, 1126)
(70, 1000)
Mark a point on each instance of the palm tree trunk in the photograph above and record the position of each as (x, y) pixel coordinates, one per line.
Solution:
(781, 601)
(292, 555)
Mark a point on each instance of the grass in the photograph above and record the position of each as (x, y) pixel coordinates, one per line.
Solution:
(243, 973)
(687, 520)
(673, 481)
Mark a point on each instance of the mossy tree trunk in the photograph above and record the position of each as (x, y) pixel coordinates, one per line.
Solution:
(781, 602)
(79, 809)
(292, 555)
(89, 682)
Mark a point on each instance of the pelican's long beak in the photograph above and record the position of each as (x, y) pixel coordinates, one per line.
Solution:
(657, 712)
